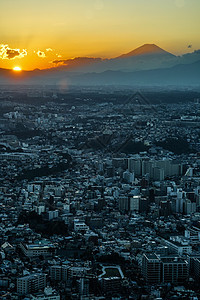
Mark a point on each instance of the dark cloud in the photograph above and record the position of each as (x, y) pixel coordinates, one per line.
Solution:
(11, 53)
(57, 61)
(77, 61)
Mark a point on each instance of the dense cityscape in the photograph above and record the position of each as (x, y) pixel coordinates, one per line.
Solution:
(99, 194)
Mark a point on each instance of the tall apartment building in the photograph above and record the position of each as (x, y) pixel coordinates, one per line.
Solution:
(157, 169)
(196, 267)
(135, 203)
(56, 273)
(132, 204)
(124, 203)
(151, 268)
(65, 272)
(111, 284)
(169, 269)
(84, 286)
(189, 207)
(31, 283)
(135, 165)
(174, 270)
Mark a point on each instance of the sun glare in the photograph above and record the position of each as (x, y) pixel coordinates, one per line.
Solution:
(17, 69)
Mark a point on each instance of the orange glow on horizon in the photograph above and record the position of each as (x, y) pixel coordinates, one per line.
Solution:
(18, 69)
(38, 34)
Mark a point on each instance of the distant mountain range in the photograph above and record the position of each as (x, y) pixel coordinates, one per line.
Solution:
(146, 65)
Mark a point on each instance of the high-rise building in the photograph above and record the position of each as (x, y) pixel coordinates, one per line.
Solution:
(165, 208)
(31, 283)
(124, 203)
(174, 270)
(169, 269)
(111, 284)
(56, 273)
(158, 174)
(135, 203)
(84, 285)
(135, 165)
(151, 268)
(196, 267)
(189, 207)
(65, 272)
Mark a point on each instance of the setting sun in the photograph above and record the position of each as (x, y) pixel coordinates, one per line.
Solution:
(17, 69)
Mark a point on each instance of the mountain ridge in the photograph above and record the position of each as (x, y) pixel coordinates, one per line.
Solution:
(180, 75)
(146, 49)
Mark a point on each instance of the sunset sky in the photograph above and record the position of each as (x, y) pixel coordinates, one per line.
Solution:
(34, 33)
